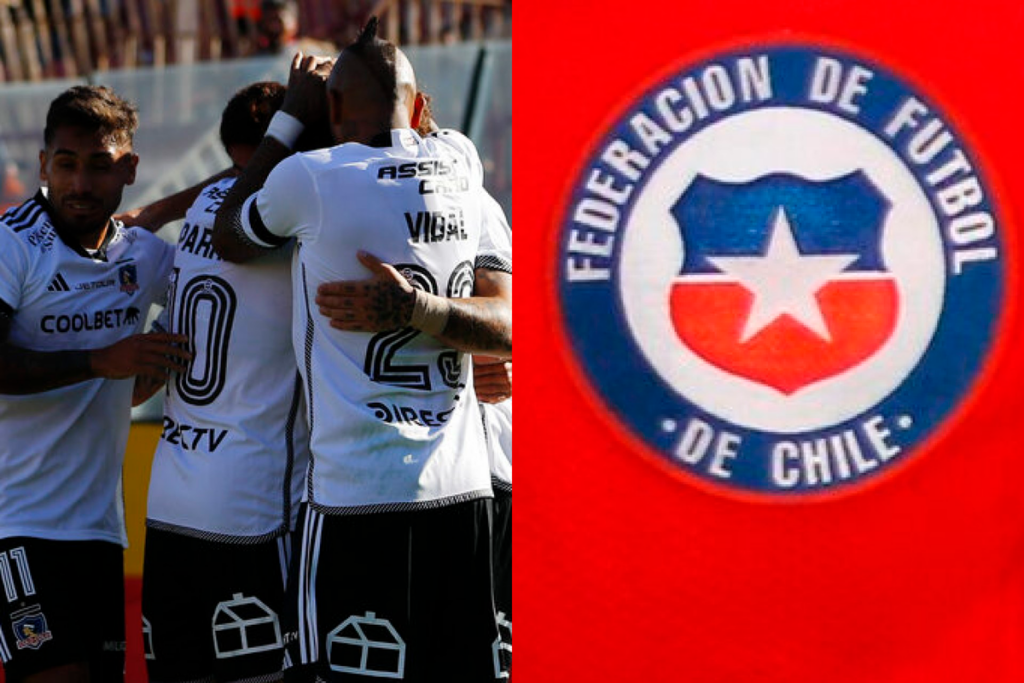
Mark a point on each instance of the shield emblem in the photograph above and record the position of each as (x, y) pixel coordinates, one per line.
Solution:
(30, 628)
(129, 278)
(783, 280)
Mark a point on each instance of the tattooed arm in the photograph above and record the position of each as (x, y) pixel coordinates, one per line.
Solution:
(480, 324)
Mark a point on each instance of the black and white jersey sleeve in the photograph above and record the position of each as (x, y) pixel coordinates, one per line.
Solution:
(495, 238)
(280, 210)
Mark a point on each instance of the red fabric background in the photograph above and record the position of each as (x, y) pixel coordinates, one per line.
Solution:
(627, 572)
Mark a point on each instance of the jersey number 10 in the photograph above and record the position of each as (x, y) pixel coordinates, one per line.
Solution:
(203, 310)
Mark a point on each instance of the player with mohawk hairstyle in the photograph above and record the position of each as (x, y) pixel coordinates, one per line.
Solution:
(394, 574)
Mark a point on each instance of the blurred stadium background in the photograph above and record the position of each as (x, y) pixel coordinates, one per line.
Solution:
(180, 61)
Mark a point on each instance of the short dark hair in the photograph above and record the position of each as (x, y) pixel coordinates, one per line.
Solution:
(95, 108)
(248, 113)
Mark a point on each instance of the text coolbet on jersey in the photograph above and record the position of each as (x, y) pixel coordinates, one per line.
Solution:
(58, 452)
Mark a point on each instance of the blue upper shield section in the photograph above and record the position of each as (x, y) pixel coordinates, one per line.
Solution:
(839, 216)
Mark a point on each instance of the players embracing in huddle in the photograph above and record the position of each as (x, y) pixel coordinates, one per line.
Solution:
(370, 380)
(396, 537)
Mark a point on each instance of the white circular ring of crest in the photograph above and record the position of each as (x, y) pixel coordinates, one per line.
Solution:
(817, 146)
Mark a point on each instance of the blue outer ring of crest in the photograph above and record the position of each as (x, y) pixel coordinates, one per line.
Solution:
(604, 346)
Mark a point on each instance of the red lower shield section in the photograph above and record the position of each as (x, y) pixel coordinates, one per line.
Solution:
(785, 355)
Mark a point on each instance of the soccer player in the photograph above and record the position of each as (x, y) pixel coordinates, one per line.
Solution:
(492, 381)
(498, 427)
(395, 568)
(75, 287)
(228, 471)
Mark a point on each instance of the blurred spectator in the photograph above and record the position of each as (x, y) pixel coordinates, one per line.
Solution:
(12, 190)
(73, 38)
(349, 17)
(277, 26)
(449, 34)
(277, 31)
(245, 10)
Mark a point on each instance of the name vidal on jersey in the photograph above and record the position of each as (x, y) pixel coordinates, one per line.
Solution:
(435, 226)
(197, 241)
(921, 135)
(190, 438)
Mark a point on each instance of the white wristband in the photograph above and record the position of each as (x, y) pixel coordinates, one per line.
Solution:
(285, 128)
(429, 313)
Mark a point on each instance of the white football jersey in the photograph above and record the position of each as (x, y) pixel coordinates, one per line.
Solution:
(496, 254)
(394, 423)
(495, 238)
(231, 459)
(62, 450)
(498, 425)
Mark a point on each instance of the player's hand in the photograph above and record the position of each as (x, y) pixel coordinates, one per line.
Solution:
(145, 217)
(144, 388)
(492, 379)
(131, 217)
(383, 302)
(306, 97)
(150, 355)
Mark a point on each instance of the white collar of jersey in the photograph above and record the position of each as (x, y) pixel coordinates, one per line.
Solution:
(406, 138)
(100, 253)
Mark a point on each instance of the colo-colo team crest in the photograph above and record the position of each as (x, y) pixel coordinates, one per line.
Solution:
(783, 270)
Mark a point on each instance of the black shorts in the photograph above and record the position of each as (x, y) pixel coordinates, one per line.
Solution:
(503, 571)
(61, 602)
(211, 610)
(400, 595)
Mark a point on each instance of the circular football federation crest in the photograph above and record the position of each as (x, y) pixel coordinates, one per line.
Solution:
(782, 269)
